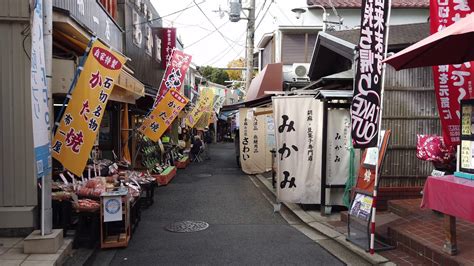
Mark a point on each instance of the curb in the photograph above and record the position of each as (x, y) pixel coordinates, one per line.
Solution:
(322, 227)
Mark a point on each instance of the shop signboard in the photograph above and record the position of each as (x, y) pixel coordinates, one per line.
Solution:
(163, 115)
(168, 44)
(253, 142)
(80, 122)
(361, 206)
(452, 82)
(338, 146)
(175, 72)
(39, 96)
(296, 122)
(205, 103)
(368, 82)
(112, 208)
(93, 16)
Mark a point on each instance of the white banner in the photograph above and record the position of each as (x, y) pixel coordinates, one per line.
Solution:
(298, 152)
(338, 146)
(254, 153)
(39, 95)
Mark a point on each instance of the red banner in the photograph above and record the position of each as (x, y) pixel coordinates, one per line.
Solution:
(452, 82)
(168, 43)
(175, 73)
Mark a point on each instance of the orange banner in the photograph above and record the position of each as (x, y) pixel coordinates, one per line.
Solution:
(163, 115)
(80, 122)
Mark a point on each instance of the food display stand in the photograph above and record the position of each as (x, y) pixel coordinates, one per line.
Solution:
(452, 194)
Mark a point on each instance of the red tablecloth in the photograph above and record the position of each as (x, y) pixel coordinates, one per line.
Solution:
(450, 195)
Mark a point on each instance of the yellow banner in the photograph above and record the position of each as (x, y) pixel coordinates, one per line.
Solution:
(163, 115)
(80, 122)
(205, 103)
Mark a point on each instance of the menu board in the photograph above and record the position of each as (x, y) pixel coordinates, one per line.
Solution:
(361, 206)
(467, 136)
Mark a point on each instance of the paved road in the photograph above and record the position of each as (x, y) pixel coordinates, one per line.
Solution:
(243, 228)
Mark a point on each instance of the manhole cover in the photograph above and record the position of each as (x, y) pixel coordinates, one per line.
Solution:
(203, 175)
(187, 226)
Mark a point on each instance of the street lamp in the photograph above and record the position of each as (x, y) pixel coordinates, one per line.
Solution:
(300, 10)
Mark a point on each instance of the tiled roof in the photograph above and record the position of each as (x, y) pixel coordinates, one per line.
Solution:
(358, 3)
(399, 35)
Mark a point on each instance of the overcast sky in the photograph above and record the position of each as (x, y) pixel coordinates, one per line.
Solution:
(218, 49)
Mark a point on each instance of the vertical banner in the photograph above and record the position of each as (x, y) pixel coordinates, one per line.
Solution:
(168, 44)
(338, 146)
(39, 96)
(296, 122)
(206, 99)
(253, 148)
(218, 103)
(175, 72)
(163, 114)
(452, 82)
(80, 122)
(365, 108)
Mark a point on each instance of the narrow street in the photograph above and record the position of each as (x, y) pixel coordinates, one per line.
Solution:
(243, 229)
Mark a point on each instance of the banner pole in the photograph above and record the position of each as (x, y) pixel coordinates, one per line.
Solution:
(73, 83)
(377, 165)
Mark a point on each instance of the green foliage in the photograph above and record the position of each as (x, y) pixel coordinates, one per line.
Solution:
(215, 75)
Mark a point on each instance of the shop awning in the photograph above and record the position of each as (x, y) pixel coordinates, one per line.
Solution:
(269, 79)
(127, 88)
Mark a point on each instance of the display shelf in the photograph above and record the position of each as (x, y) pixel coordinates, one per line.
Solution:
(166, 176)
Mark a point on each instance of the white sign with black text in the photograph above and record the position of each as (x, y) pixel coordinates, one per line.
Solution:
(297, 137)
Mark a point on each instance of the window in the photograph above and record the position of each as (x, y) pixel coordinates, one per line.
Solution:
(110, 6)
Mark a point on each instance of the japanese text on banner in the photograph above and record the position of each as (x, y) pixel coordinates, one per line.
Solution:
(296, 124)
(452, 82)
(163, 115)
(205, 103)
(175, 71)
(365, 108)
(39, 95)
(80, 122)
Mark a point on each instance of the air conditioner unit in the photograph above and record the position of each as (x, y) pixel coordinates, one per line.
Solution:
(300, 71)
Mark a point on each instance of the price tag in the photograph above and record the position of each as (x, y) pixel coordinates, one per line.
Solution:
(89, 173)
(63, 178)
(437, 173)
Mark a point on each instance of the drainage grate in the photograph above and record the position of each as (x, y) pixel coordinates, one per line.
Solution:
(187, 226)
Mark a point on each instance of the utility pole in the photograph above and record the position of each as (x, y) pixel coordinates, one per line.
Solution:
(250, 41)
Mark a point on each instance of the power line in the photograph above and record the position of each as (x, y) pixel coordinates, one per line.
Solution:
(190, 3)
(164, 16)
(219, 54)
(207, 35)
(260, 10)
(210, 21)
(264, 14)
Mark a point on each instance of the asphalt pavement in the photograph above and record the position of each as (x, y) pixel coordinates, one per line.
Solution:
(243, 228)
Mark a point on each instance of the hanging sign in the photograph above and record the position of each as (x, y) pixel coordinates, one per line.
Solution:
(296, 122)
(174, 75)
(452, 82)
(80, 123)
(163, 114)
(253, 148)
(206, 99)
(338, 146)
(365, 108)
(168, 44)
(218, 103)
(39, 96)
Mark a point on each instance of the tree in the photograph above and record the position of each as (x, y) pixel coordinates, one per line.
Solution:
(236, 74)
(215, 75)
